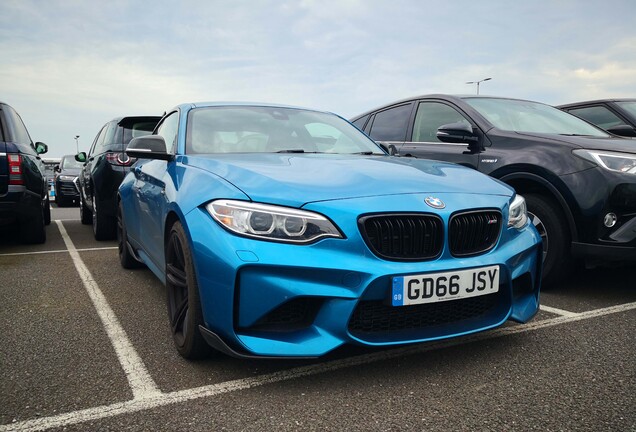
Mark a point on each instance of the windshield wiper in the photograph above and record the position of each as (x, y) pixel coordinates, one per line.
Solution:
(367, 153)
(291, 151)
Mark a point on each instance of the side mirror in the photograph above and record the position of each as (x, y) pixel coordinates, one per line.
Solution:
(57, 168)
(81, 157)
(149, 147)
(389, 148)
(459, 133)
(623, 130)
(41, 148)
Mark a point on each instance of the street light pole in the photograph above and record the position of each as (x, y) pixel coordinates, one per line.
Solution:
(77, 142)
(478, 82)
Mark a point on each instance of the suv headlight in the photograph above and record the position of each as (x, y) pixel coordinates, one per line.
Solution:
(518, 214)
(270, 222)
(612, 161)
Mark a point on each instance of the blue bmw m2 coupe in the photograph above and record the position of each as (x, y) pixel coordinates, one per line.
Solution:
(287, 232)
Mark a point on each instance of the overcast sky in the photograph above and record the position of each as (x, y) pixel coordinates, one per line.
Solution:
(70, 66)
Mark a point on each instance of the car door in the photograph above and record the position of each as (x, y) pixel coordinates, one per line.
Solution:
(152, 179)
(86, 174)
(423, 141)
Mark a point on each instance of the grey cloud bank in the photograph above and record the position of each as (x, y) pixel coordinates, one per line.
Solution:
(70, 66)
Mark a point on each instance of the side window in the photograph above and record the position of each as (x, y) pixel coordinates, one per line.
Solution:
(391, 124)
(99, 139)
(361, 122)
(17, 131)
(430, 116)
(168, 130)
(109, 135)
(598, 115)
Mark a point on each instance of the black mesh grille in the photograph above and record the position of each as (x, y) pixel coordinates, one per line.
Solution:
(378, 318)
(403, 236)
(475, 232)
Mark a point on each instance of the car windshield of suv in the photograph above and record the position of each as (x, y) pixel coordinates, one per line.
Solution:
(629, 106)
(251, 129)
(525, 116)
(69, 162)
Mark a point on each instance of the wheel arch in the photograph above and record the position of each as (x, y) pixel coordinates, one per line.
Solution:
(527, 182)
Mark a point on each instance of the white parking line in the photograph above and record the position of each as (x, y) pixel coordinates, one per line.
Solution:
(558, 311)
(141, 383)
(57, 251)
(163, 399)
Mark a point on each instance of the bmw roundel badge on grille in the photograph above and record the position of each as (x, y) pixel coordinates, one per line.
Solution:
(436, 203)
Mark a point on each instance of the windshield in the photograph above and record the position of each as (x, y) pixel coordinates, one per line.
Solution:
(252, 129)
(629, 106)
(69, 162)
(533, 117)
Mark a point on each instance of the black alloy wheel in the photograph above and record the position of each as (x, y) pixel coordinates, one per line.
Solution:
(103, 227)
(47, 210)
(549, 221)
(184, 305)
(85, 213)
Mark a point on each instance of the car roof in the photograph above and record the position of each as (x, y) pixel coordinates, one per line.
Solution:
(448, 97)
(246, 104)
(595, 101)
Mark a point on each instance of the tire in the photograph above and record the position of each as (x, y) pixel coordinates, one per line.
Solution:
(103, 227)
(126, 259)
(85, 214)
(47, 211)
(33, 230)
(548, 219)
(182, 297)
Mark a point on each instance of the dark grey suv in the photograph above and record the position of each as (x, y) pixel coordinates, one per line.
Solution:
(24, 196)
(105, 166)
(579, 182)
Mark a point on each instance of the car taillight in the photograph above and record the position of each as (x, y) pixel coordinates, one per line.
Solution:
(15, 169)
(121, 159)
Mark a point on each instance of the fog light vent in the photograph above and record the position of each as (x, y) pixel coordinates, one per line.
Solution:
(610, 220)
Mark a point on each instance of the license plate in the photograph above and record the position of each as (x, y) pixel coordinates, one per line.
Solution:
(439, 287)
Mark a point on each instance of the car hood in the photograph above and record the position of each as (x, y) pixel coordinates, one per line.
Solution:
(625, 145)
(70, 172)
(296, 180)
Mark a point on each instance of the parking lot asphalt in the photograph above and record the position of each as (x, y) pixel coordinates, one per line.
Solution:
(86, 346)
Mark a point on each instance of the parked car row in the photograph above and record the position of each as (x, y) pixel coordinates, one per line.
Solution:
(287, 232)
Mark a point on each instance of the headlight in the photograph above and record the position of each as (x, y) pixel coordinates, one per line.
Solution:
(518, 214)
(612, 161)
(66, 178)
(269, 222)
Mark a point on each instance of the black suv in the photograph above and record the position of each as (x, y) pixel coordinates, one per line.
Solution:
(579, 182)
(24, 192)
(104, 168)
(66, 178)
(617, 116)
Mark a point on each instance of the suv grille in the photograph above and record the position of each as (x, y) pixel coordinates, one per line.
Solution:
(403, 236)
(474, 232)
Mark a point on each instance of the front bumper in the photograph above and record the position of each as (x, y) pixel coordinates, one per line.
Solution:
(599, 194)
(273, 299)
(66, 190)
